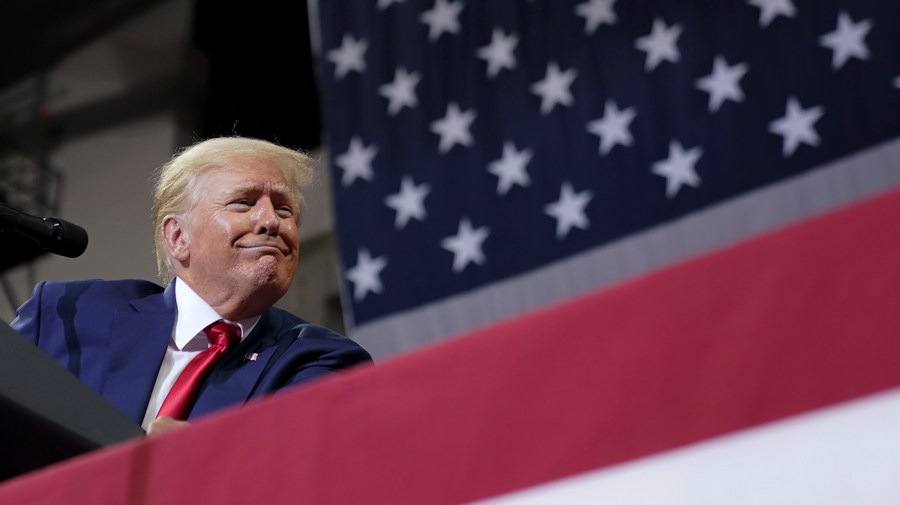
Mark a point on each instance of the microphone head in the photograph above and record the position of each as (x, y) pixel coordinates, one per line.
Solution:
(69, 240)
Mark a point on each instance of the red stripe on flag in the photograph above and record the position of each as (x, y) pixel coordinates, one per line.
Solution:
(783, 324)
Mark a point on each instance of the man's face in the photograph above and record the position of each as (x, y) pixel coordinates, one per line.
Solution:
(240, 238)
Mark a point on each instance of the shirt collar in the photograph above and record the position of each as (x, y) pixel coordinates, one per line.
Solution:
(194, 314)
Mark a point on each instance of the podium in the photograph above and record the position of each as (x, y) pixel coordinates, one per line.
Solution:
(47, 414)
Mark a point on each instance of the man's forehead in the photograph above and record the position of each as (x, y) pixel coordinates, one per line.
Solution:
(229, 181)
(250, 173)
(258, 184)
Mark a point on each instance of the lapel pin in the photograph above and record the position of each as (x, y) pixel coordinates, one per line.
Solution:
(251, 356)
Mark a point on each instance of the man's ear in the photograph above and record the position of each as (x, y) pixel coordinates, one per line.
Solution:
(176, 238)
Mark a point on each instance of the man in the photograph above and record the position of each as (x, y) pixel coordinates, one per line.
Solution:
(226, 218)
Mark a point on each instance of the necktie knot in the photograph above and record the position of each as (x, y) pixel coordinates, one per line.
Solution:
(223, 334)
(181, 397)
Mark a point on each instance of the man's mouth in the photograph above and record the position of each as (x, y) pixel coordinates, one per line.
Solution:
(265, 248)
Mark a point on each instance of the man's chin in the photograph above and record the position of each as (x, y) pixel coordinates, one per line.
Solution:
(270, 274)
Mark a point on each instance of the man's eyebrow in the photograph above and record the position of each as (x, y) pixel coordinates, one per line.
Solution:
(239, 188)
(281, 189)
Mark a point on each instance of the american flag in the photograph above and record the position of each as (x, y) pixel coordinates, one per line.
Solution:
(492, 157)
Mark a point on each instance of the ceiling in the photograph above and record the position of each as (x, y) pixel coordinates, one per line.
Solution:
(258, 71)
(259, 83)
(35, 34)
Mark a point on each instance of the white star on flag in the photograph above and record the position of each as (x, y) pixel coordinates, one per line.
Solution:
(595, 13)
(453, 128)
(356, 161)
(768, 9)
(796, 126)
(569, 210)
(660, 45)
(612, 128)
(499, 53)
(350, 56)
(409, 202)
(678, 168)
(443, 17)
(511, 168)
(847, 40)
(554, 87)
(722, 84)
(401, 91)
(466, 245)
(366, 274)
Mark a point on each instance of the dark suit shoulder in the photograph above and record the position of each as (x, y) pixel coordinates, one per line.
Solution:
(304, 338)
(61, 297)
(299, 327)
(121, 288)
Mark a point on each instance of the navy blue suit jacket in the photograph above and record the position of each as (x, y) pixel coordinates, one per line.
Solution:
(113, 335)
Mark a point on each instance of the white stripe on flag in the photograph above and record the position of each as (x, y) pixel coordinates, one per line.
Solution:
(849, 453)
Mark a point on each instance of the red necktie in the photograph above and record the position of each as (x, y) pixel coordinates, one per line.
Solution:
(181, 397)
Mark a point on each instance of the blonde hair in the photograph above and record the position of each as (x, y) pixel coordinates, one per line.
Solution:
(175, 190)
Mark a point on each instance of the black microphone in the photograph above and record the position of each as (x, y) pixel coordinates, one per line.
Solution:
(51, 233)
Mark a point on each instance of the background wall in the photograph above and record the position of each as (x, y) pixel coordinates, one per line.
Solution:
(109, 113)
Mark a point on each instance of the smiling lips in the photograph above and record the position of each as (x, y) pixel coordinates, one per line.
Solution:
(265, 246)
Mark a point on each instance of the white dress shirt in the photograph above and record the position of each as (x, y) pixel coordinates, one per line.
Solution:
(187, 340)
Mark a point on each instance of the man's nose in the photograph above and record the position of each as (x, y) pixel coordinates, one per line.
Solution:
(266, 222)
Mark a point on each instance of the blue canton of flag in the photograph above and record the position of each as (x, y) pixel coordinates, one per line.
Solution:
(477, 143)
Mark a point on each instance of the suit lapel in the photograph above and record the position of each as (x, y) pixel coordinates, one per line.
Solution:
(234, 379)
(139, 335)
